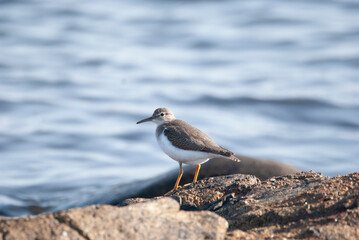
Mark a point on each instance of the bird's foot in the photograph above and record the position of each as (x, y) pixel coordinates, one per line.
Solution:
(173, 190)
(187, 184)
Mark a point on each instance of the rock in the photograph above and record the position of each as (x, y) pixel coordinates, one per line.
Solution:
(44, 226)
(197, 196)
(206, 193)
(304, 205)
(297, 206)
(159, 219)
(238, 234)
(301, 205)
(263, 169)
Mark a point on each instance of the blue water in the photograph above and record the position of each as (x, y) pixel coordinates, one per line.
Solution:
(270, 79)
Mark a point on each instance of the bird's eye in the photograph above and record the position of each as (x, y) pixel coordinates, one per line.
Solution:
(162, 114)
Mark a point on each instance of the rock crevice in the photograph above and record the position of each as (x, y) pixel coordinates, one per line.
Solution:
(75, 228)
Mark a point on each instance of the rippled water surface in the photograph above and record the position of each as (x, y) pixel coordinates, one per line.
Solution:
(270, 79)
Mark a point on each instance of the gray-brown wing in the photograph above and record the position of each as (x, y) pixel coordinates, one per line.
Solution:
(187, 137)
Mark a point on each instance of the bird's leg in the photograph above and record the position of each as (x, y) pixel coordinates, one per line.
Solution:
(178, 180)
(196, 173)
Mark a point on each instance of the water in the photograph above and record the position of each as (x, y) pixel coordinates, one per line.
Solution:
(270, 79)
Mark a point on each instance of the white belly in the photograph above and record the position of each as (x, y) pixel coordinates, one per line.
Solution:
(183, 156)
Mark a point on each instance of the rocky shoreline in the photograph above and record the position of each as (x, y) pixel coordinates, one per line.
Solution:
(301, 205)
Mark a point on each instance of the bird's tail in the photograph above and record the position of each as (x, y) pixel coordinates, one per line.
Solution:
(228, 154)
(234, 158)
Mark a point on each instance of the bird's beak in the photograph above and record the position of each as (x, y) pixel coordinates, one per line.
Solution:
(145, 120)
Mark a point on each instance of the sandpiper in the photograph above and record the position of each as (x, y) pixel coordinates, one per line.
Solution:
(184, 143)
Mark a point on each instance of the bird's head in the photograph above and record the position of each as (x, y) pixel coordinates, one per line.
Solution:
(159, 116)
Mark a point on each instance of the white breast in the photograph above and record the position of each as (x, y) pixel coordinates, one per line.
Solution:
(183, 156)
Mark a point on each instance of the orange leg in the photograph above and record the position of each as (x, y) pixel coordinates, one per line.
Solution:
(196, 173)
(178, 178)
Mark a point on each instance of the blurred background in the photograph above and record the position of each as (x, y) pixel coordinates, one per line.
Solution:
(270, 79)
